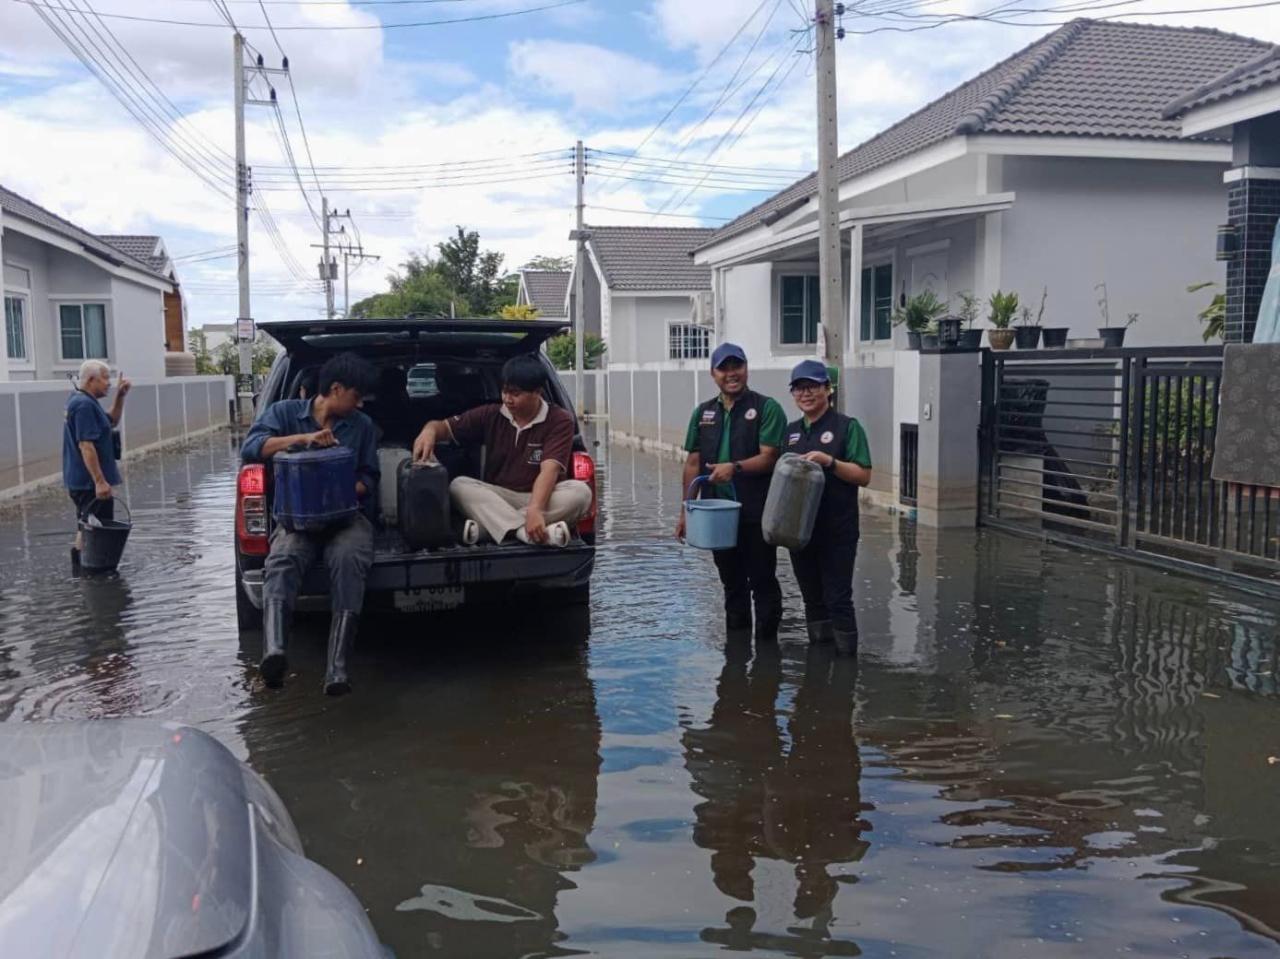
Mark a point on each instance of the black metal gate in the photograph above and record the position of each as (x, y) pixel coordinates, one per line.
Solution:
(1113, 449)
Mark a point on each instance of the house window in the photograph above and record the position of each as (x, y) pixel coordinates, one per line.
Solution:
(15, 328)
(877, 302)
(82, 329)
(687, 341)
(799, 311)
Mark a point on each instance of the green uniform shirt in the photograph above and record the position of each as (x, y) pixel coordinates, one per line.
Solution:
(773, 426)
(856, 448)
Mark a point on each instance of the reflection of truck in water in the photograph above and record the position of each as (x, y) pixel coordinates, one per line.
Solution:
(149, 839)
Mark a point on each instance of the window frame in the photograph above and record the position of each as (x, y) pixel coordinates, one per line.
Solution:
(872, 263)
(704, 333)
(22, 293)
(811, 282)
(80, 304)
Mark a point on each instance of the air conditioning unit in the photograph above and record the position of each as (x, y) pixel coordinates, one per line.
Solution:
(702, 309)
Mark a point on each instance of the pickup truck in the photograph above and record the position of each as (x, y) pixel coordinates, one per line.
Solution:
(427, 369)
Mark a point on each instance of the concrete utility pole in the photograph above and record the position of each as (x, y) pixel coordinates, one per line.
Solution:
(579, 286)
(349, 254)
(829, 279)
(326, 273)
(242, 213)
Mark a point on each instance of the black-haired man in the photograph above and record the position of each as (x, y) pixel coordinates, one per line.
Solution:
(331, 418)
(528, 450)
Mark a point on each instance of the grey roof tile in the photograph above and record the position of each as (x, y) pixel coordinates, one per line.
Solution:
(140, 247)
(19, 206)
(1088, 78)
(1263, 71)
(650, 257)
(547, 289)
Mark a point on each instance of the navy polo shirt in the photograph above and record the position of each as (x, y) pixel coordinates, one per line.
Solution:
(86, 422)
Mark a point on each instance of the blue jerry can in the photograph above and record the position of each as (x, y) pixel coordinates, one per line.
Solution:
(314, 489)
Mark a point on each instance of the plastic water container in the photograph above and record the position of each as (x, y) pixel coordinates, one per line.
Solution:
(710, 523)
(791, 507)
(103, 539)
(314, 489)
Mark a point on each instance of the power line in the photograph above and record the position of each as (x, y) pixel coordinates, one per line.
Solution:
(685, 216)
(508, 160)
(342, 27)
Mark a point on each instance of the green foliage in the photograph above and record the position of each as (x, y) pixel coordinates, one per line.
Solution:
(1179, 417)
(1213, 316)
(555, 264)
(461, 280)
(225, 359)
(199, 348)
(560, 350)
(968, 307)
(921, 310)
(520, 311)
(1004, 307)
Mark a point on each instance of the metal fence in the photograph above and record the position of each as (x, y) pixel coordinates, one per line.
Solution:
(1113, 449)
(909, 471)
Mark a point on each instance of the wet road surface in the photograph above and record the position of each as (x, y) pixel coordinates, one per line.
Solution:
(1043, 753)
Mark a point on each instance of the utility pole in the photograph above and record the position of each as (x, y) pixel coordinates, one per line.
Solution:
(326, 273)
(829, 279)
(579, 284)
(245, 346)
(348, 254)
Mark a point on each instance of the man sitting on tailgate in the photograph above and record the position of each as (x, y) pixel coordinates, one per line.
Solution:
(528, 448)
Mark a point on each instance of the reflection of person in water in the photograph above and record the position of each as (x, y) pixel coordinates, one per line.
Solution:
(106, 660)
(803, 807)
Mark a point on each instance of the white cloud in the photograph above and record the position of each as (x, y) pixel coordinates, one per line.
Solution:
(594, 77)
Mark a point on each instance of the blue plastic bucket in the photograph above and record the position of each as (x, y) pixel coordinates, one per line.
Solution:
(710, 523)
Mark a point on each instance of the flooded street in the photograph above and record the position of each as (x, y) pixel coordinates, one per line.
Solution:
(1042, 753)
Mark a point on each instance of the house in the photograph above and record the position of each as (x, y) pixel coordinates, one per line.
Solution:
(150, 250)
(70, 295)
(641, 290)
(547, 291)
(1243, 104)
(1055, 170)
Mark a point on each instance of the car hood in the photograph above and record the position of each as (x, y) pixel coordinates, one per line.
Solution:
(121, 838)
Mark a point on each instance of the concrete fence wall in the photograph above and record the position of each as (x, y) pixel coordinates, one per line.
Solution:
(156, 412)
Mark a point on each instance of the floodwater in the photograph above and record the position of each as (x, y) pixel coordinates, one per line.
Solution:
(1043, 752)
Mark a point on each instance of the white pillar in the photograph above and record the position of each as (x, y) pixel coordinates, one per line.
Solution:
(854, 333)
(4, 334)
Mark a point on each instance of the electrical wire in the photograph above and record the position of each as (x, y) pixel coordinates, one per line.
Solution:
(686, 216)
(341, 27)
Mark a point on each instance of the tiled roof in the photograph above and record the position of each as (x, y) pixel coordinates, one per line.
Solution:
(1261, 72)
(1089, 78)
(142, 248)
(650, 257)
(20, 206)
(547, 289)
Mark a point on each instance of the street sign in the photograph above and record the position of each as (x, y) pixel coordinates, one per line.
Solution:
(244, 329)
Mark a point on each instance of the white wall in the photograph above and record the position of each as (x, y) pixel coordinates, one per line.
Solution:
(622, 330)
(136, 322)
(1145, 228)
(748, 296)
(31, 255)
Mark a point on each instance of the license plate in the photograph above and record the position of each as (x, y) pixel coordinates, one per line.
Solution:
(430, 600)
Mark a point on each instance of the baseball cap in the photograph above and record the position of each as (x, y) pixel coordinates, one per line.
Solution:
(727, 351)
(814, 370)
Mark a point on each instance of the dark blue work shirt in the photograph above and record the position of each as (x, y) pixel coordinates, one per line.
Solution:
(87, 421)
(289, 417)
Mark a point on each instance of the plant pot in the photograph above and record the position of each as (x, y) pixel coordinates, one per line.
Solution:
(970, 340)
(949, 332)
(913, 340)
(1027, 337)
(1000, 339)
(1112, 336)
(1055, 337)
(928, 341)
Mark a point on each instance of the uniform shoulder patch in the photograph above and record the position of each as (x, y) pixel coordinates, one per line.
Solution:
(751, 414)
(793, 439)
(827, 437)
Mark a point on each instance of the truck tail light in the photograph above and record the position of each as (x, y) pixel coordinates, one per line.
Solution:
(251, 510)
(584, 469)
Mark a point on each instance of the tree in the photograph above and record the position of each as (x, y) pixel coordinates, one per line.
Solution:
(560, 350)
(554, 264)
(521, 311)
(200, 350)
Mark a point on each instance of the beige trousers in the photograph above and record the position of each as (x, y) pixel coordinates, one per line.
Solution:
(500, 511)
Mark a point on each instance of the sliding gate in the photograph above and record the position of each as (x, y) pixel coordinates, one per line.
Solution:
(1113, 449)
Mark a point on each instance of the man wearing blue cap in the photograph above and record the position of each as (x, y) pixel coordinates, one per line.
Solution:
(824, 568)
(734, 441)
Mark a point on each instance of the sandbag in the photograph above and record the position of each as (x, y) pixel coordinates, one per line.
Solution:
(423, 505)
(389, 460)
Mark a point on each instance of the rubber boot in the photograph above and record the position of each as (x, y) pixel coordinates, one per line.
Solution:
(846, 642)
(275, 640)
(767, 629)
(342, 633)
(820, 631)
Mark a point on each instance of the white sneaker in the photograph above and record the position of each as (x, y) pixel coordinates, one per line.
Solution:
(470, 532)
(557, 535)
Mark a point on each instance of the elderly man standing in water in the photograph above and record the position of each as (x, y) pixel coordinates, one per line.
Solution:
(88, 449)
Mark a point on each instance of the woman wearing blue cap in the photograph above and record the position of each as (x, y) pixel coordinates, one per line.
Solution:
(824, 568)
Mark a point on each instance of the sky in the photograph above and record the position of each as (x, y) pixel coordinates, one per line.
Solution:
(467, 123)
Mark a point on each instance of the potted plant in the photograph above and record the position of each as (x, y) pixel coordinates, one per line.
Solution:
(929, 337)
(970, 339)
(1004, 307)
(1112, 336)
(1026, 333)
(1052, 337)
(917, 314)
